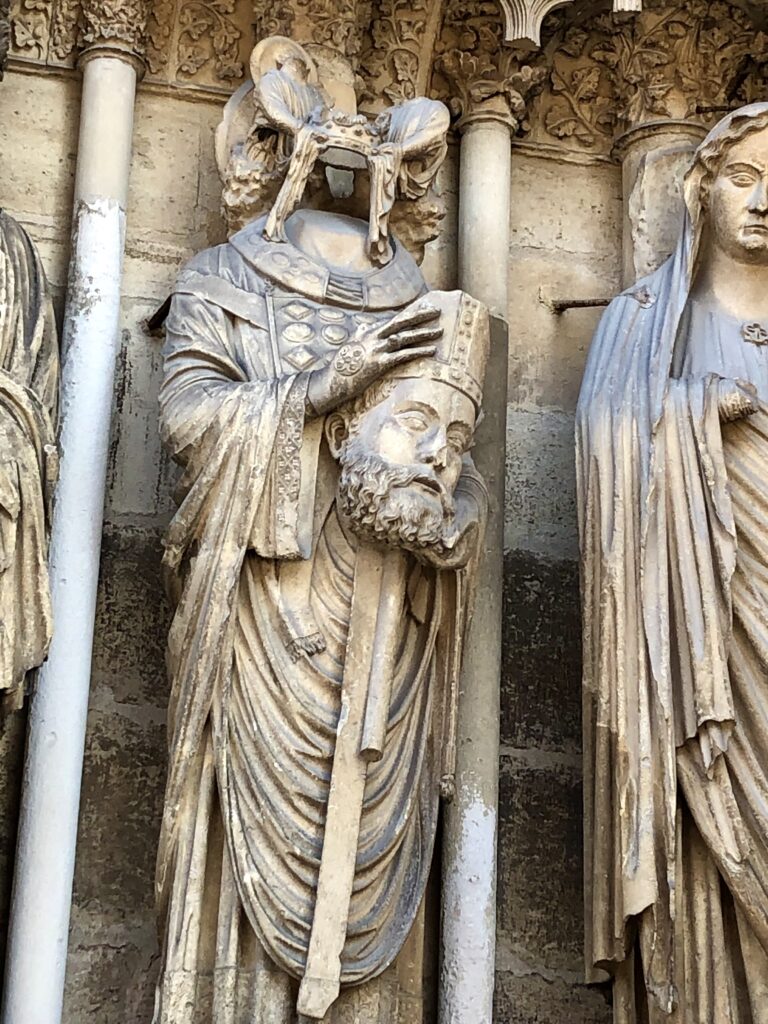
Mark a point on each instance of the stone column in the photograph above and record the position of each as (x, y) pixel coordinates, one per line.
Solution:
(45, 856)
(467, 971)
(654, 159)
(485, 169)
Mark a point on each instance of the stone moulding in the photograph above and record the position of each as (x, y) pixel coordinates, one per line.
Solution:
(523, 18)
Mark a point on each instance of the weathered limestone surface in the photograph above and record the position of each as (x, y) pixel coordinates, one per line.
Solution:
(566, 241)
(565, 229)
(677, 367)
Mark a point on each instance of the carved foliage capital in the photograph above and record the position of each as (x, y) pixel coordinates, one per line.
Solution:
(681, 60)
(187, 42)
(476, 74)
(115, 23)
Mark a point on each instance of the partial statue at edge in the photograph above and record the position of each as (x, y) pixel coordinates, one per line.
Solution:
(29, 380)
(672, 439)
(322, 403)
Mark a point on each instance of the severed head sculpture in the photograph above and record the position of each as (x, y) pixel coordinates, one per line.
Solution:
(401, 444)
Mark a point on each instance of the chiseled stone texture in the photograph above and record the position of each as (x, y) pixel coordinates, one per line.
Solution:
(12, 738)
(540, 917)
(566, 243)
(531, 998)
(113, 940)
(541, 666)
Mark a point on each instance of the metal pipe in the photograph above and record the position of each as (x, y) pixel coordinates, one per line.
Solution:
(559, 306)
(45, 855)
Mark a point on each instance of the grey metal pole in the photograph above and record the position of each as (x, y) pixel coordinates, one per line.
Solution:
(45, 856)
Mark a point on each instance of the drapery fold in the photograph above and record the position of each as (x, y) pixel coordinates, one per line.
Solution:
(29, 368)
(673, 523)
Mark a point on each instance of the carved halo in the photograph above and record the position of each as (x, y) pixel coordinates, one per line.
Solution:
(271, 52)
(523, 18)
(239, 112)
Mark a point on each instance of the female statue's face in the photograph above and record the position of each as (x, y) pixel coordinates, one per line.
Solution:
(738, 201)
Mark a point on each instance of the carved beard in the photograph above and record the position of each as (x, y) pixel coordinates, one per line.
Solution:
(373, 496)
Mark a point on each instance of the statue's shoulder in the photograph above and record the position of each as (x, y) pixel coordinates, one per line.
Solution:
(222, 266)
(222, 277)
(633, 304)
(222, 261)
(18, 243)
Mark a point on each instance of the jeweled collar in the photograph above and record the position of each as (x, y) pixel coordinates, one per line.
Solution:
(388, 287)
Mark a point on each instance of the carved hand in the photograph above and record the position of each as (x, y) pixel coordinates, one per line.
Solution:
(736, 399)
(371, 354)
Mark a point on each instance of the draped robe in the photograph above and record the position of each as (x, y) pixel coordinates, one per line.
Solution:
(29, 363)
(673, 520)
(259, 564)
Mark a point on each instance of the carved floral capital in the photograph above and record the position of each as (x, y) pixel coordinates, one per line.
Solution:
(198, 43)
(678, 60)
(115, 24)
(476, 73)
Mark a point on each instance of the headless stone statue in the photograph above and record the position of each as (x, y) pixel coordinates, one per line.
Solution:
(322, 406)
(672, 458)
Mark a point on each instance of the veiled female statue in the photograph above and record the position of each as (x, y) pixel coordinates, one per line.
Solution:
(672, 439)
(322, 405)
(29, 372)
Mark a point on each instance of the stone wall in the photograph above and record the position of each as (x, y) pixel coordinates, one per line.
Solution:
(565, 240)
(566, 230)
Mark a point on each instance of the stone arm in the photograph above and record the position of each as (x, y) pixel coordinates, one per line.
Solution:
(28, 462)
(239, 436)
(287, 103)
(28, 457)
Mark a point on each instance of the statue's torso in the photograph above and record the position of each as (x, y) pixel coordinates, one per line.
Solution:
(714, 342)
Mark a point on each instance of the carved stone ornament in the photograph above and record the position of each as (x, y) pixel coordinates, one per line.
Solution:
(396, 63)
(29, 368)
(55, 31)
(115, 22)
(674, 60)
(197, 41)
(322, 405)
(187, 42)
(523, 18)
(475, 72)
(282, 130)
(672, 450)
(273, 18)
